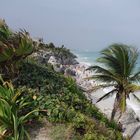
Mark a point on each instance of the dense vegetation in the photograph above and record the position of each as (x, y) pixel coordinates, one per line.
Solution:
(61, 52)
(30, 91)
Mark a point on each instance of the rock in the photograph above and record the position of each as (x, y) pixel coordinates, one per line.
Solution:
(40, 131)
(51, 56)
(59, 68)
(62, 69)
(128, 117)
(130, 124)
(41, 56)
(70, 72)
(52, 60)
(70, 61)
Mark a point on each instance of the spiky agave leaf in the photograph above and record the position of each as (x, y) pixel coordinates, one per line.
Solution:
(25, 45)
(10, 105)
(6, 52)
(5, 32)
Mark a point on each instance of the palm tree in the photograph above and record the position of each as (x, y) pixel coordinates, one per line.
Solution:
(118, 69)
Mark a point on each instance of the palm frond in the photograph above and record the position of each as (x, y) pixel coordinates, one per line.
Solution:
(110, 62)
(99, 69)
(120, 58)
(135, 77)
(107, 95)
(106, 78)
(132, 88)
(133, 56)
(112, 58)
(138, 99)
(97, 87)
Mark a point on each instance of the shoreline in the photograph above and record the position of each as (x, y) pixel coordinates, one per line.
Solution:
(130, 119)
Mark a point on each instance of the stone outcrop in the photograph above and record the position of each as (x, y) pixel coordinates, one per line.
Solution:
(44, 56)
(130, 124)
(70, 72)
(52, 60)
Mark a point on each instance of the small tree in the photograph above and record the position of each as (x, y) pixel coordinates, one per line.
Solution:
(119, 71)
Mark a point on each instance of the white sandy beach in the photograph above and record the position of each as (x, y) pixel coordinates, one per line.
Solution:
(129, 119)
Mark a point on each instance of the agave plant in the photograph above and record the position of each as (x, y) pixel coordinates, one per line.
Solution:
(14, 47)
(6, 52)
(25, 46)
(5, 32)
(12, 125)
(118, 70)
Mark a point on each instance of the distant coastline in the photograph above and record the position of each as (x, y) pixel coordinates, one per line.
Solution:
(86, 57)
(89, 57)
(132, 114)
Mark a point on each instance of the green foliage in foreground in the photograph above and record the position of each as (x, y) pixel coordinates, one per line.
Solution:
(61, 101)
(13, 113)
(39, 91)
(14, 46)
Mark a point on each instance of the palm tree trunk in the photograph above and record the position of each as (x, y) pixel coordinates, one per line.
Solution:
(119, 105)
(116, 108)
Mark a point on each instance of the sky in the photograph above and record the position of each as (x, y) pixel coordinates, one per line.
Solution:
(77, 24)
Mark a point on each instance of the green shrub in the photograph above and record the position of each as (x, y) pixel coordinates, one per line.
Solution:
(14, 47)
(40, 91)
(12, 118)
(90, 136)
(64, 102)
(79, 121)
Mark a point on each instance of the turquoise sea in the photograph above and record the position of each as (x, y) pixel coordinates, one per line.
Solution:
(89, 57)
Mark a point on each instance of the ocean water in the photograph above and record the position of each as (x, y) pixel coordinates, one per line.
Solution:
(89, 57)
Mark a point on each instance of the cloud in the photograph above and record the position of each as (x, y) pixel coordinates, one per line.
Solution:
(92, 24)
